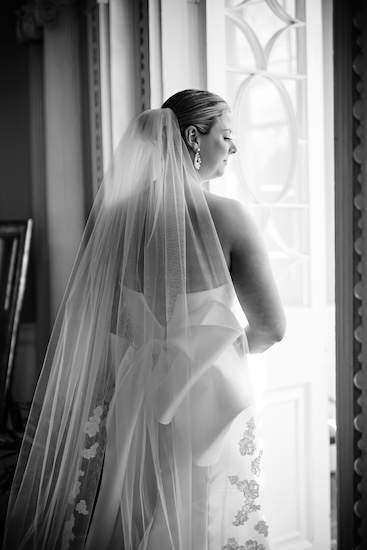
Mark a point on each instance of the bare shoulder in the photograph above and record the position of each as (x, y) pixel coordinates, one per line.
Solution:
(233, 222)
(250, 269)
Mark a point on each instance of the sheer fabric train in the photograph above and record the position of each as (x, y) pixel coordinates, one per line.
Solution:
(136, 393)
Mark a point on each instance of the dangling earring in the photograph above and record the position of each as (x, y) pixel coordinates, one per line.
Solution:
(197, 159)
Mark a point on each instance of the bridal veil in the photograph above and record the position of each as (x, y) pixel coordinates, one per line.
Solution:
(124, 405)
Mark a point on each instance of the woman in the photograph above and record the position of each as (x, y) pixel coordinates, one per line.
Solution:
(141, 433)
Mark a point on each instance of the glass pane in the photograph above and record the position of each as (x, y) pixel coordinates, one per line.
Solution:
(282, 56)
(265, 133)
(239, 49)
(260, 17)
(266, 85)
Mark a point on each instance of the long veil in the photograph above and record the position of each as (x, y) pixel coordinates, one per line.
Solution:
(122, 410)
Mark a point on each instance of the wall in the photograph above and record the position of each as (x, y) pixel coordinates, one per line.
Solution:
(15, 186)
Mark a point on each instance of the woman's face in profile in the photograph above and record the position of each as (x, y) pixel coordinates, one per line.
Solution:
(216, 147)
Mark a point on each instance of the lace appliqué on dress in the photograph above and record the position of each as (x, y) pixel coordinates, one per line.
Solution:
(81, 508)
(76, 489)
(255, 465)
(91, 452)
(68, 535)
(250, 491)
(232, 544)
(247, 444)
(262, 527)
(91, 428)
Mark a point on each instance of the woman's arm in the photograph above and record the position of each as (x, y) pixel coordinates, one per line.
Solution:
(254, 282)
(251, 273)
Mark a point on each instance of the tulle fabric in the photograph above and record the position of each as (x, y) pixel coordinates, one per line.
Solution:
(121, 412)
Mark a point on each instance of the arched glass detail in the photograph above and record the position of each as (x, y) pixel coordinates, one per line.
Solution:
(266, 81)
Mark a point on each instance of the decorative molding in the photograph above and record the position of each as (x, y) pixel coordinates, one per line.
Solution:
(350, 32)
(95, 113)
(360, 264)
(33, 16)
(143, 56)
(358, 98)
(27, 28)
(46, 11)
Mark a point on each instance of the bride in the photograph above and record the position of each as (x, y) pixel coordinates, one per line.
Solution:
(142, 433)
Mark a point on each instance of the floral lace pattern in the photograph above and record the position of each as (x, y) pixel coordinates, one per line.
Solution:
(91, 452)
(91, 428)
(262, 527)
(247, 444)
(81, 508)
(250, 488)
(76, 489)
(232, 544)
(68, 535)
(242, 515)
(255, 465)
(250, 491)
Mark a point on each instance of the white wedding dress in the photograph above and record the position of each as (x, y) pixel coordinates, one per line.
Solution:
(226, 504)
(142, 433)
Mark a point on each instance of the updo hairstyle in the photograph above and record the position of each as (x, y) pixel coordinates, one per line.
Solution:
(196, 107)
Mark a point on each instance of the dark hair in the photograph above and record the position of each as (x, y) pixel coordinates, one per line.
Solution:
(196, 107)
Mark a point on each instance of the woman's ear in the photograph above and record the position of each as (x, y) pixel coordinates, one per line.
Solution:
(192, 137)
